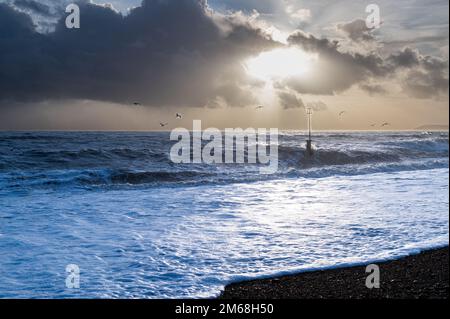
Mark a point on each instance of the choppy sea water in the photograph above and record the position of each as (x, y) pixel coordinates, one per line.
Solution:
(139, 226)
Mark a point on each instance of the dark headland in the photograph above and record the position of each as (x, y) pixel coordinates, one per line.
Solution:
(419, 276)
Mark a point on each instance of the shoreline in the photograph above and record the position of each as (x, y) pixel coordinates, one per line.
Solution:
(424, 275)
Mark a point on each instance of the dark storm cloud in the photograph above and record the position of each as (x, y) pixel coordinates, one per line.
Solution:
(173, 52)
(34, 6)
(180, 53)
(337, 70)
(406, 58)
(13, 23)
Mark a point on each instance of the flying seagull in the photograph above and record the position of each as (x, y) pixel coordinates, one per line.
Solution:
(178, 116)
(342, 113)
(385, 124)
(163, 124)
(259, 107)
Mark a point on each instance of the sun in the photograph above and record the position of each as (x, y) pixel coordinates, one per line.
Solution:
(280, 63)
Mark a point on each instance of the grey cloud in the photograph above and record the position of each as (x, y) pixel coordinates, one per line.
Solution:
(427, 82)
(356, 30)
(336, 70)
(172, 52)
(289, 100)
(426, 76)
(418, 40)
(317, 106)
(34, 6)
(406, 58)
(263, 6)
(374, 89)
(179, 53)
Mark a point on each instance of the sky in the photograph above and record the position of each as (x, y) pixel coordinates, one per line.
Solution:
(218, 60)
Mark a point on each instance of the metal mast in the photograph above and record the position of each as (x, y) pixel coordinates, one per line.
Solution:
(309, 149)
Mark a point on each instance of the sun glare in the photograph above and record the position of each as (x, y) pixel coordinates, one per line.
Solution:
(280, 63)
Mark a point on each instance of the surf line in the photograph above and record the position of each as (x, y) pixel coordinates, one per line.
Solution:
(252, 146)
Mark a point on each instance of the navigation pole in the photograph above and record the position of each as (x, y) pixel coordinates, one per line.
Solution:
(309, 150)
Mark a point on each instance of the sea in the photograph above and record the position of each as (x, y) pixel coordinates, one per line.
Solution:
(137, 225)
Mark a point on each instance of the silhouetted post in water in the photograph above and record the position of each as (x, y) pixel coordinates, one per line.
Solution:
(309, 149)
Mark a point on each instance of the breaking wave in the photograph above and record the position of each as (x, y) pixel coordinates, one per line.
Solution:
(87, 160)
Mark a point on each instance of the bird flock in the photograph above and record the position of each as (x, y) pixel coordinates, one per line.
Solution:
(179, 116)
(385, 124)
